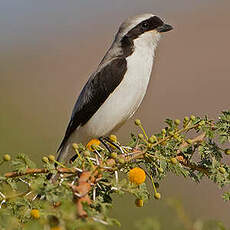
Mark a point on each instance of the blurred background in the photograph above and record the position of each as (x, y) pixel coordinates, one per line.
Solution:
(49, 48)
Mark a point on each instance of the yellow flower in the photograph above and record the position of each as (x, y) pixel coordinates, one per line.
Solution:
(56, 228)
(137, 176)
(35, 213)
(94, 142)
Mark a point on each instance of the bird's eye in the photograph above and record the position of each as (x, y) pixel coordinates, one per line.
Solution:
(145, 25)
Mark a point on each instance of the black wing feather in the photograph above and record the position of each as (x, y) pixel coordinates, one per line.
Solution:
(94, 94)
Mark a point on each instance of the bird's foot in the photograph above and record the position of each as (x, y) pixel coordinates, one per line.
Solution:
(72, 159)
(105, 143)
(109, 144)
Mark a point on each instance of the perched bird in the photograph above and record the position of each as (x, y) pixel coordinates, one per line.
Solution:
(116, 89)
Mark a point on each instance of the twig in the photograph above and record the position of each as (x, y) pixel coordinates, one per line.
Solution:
(88, 179)
(185, 162)
(38, 170)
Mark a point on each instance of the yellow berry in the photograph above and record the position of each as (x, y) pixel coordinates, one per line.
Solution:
(227, 151)
(163, 131)
(137, 176)
(222, 170)
(137, 122)
(177, 121)
(154, 138)
(139, 202)
(157, 195)
(186, 119)
(202, 123)
(114, 155)
(161, 170)
(6, 157)
(192, 117)
(141, 136)
(51, 158)
(45, 159)
(121, 160)
(173, 160)
(35, 213)
(75, 146)
(151, 140)
(113, 138)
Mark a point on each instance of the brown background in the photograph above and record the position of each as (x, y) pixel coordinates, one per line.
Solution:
(49, 49)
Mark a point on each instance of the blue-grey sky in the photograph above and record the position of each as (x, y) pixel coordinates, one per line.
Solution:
(24, 22)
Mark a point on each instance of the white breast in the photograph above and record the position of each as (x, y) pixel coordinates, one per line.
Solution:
(126, 98)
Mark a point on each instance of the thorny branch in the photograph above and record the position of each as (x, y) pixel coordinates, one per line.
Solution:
(87, 179)
(85, 186)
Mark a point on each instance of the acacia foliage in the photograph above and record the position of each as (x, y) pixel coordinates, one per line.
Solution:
(80, 197)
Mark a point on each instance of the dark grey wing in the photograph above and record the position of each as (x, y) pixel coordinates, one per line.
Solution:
(94, 94)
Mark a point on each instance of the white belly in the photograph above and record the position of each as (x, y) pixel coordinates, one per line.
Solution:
(123, 102)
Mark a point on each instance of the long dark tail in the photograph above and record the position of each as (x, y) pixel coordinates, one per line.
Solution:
(61, 155)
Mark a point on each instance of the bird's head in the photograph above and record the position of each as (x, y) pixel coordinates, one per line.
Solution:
(146, 28)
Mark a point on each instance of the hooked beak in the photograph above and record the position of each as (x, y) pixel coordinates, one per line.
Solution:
(164, 28)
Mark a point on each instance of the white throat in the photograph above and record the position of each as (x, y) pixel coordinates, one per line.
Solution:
(147, 42)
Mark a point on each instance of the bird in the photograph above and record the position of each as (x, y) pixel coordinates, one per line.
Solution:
(116, 89)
